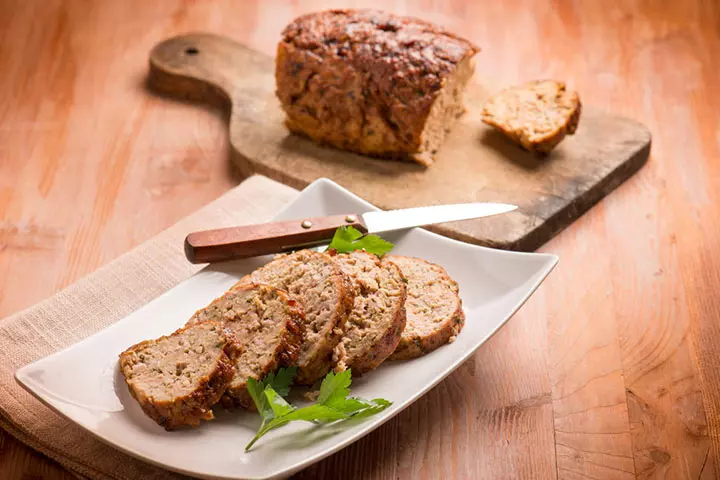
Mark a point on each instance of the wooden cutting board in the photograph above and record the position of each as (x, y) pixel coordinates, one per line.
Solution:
(475, 164)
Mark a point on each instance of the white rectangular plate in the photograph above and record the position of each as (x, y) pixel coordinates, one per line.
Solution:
(83, 382)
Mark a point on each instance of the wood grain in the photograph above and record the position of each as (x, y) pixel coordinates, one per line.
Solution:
(611, 370)
(551, 191)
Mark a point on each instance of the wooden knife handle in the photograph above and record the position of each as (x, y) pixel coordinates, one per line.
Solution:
(222, 244)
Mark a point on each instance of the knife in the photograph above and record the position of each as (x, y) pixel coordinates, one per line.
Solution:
(221, 244)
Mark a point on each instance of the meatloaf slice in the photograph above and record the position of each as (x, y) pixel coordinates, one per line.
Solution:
(377, 319)
(326, 296)
(371, 82)
(537, 115)
(434, 309)
(177, 378)
(268, 325)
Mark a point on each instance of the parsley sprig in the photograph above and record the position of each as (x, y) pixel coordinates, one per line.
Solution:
(347, 239)
(333, 402)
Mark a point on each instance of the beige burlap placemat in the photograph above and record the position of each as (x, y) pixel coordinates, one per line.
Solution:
(93, 304)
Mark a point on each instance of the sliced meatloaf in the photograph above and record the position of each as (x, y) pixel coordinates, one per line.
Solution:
(177, 378)
(326, 296)
(434, 309)
(377, 318)
(268, 325)
(537, 115)
(372, 82)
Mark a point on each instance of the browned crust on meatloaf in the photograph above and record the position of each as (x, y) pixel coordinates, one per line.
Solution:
(537, 115)
(307, 275)
(367, 81)
(246, 312)
(377, 319)
(427, 329)
(190, 409)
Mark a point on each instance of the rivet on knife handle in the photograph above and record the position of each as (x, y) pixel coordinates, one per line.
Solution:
(252, 240)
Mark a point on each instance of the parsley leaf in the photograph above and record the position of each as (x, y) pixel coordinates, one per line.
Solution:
(333, 403)
(375, 405)
(315, 413)
(352, 405)
(257, 392)
(334, 387)
(348, 239)
(278, 382)
(277, 403)
(281, 381)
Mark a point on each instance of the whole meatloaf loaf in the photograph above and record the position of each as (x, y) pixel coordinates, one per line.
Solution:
(268, 325)
(372, 82)
(177, 378)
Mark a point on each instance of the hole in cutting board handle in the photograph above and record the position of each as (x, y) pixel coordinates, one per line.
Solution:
(191, 51)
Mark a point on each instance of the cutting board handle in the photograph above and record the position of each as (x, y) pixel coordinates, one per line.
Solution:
(202, 66)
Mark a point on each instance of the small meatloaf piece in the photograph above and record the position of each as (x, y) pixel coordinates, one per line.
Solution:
(268, 325)
(372, 82)
(434, 309)
(377, 319)
(536, 115)
(177, 378)
(326, 296)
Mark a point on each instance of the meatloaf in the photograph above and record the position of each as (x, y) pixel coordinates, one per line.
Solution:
(326, 296)
(434, 309)
(177, 378)
(537, 115)
(268, 325)
(377, 318)
(371, 82)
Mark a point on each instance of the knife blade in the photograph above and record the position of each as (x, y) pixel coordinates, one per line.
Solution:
(390, 220)
(222, 244)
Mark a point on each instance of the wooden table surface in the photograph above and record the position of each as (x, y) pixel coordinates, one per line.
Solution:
(611, 370)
